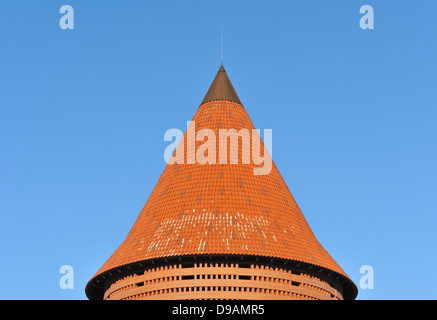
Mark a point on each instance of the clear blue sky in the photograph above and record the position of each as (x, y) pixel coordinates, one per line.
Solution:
(83, 113)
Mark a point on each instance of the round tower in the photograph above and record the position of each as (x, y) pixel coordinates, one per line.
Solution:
(218, 230)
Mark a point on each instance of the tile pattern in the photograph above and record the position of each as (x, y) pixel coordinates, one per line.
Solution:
(202, 209)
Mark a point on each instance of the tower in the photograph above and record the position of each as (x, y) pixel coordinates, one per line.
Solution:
(219, 231)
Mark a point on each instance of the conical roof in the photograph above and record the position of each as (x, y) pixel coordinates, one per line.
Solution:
(206, 209)
(221, 89)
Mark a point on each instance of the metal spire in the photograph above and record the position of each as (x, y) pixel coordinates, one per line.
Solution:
(222, 46)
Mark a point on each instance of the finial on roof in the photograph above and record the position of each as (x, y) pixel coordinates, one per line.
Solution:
(222, 46)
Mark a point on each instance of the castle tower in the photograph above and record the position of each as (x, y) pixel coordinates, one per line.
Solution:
(220, 231)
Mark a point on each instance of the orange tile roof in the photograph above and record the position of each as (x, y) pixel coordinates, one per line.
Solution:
(198, 209)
